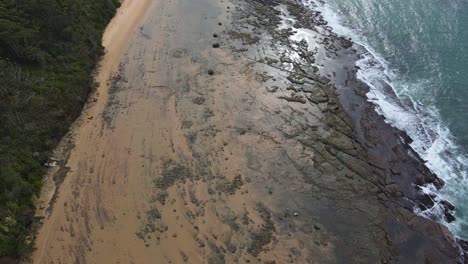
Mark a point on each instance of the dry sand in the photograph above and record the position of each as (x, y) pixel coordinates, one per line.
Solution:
(116, 38)
(109, 208)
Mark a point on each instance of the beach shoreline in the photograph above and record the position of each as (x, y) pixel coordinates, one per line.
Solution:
(247, 152)
(114, 42)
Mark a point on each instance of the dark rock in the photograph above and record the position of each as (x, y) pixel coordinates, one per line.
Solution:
(419, 179)
(296, 98)
(199, 100)
(172, 172)
(394, 189)
(215, 35)
(395, 170)
(323, 80)
(230, 187)
(264, 236)
(291, 88)
(463, 244)
(438, 182)
(426, 202)
(448, 210)
(318, 97)
(210, 72)
(273, 89)
(441, 245)
(216, 45)
(241, 130)
(271, 61)
(447, 205)
(449, 217)
(296, 79)
(345, 43)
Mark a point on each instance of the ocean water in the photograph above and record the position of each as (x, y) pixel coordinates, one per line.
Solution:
(420, 49)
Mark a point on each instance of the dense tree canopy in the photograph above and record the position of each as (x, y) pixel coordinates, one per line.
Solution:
(48, 49)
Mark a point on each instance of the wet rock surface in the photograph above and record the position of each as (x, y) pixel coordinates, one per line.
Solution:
(359, 143)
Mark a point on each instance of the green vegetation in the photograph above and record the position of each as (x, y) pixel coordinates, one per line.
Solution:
(48, 50)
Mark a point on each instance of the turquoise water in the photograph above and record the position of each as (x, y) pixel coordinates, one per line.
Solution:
(420, 48)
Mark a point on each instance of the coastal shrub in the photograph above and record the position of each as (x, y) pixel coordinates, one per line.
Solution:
(48, 50)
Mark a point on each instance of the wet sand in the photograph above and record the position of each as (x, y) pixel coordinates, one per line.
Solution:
(257, 162)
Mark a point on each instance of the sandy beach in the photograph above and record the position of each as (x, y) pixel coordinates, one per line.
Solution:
(215, 136)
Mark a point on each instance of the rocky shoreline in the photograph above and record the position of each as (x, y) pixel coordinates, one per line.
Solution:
(398, 171)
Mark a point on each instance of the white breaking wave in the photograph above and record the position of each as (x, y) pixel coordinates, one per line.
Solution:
(432, 140)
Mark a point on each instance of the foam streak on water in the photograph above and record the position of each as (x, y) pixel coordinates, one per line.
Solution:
(432, 140)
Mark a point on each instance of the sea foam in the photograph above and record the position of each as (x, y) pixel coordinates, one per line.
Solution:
(432, 140)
